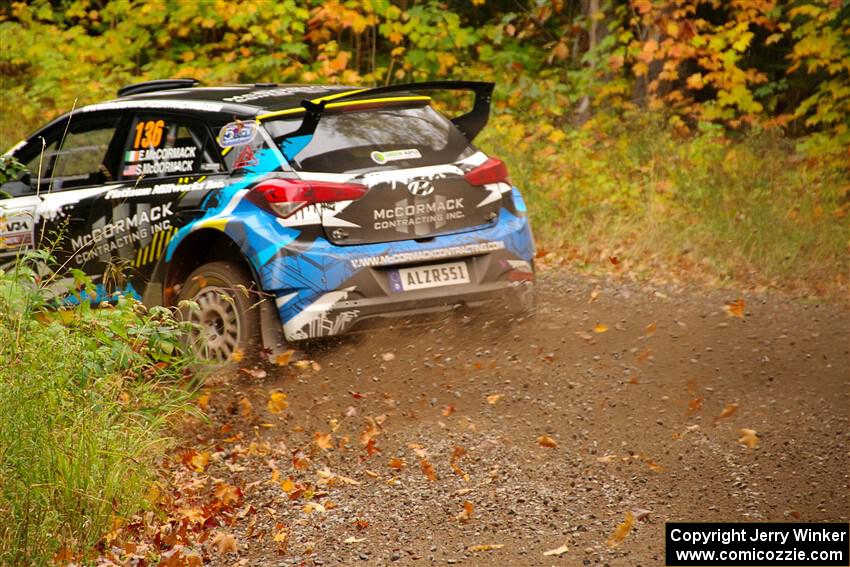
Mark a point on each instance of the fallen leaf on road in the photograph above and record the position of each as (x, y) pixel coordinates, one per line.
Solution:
(396, 463)
(361, 524)
(727, 411)
(606, 459)
(643, 356)
(485, 547)
(695, 405)
(546, 441)
(283, 358)
(651, 328)
(311, 507)
(622, 530)
(257, 373)
(227, 494)
(371, 431)
(457, 454)
(281, 537)
(237, 355)
(204, 401)
(199, 461)
(277, 402)
(614, 260)
(323, 441)
(748, 438)
(735, 308)
(224, 543)
(594, 295)
(387, 356)
(558, 551)
(448, 410)
(600, 328)
(466, 513)
(353, 539)
(246, 408)
(371, 447)
(301, 364)
(493, 399)
(427, 469)
(641, 513)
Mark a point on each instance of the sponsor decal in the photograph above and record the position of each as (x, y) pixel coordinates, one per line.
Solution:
(123, 232)
(268, 93)
(167, 105)
(237, 134)
(246, 158)
(165, 189)
(426, 255)
(17, 228)
(394, 155)
(406, 215)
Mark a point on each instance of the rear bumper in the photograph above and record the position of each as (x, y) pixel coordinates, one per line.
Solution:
(323, 290)
(346, 316)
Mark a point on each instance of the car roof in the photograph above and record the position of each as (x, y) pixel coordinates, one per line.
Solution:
(239, 100)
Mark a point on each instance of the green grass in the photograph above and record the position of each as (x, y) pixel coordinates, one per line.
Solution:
(86, 397)
(704, 206)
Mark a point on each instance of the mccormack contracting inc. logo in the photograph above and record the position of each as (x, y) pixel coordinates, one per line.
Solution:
(420, 187)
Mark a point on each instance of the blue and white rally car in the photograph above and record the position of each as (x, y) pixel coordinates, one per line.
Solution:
(294, 212)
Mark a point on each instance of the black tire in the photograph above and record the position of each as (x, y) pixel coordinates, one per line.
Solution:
(227, 319)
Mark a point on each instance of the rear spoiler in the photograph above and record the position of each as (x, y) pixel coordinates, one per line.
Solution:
(470, 124)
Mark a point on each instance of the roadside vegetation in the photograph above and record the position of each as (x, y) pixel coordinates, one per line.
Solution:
(86, 395)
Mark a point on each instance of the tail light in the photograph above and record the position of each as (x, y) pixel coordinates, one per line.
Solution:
(284, 197)
(491, 171)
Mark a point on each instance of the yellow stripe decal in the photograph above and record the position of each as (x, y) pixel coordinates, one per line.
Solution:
(337, 95)
(291, 111)
(150, 247)
(159, 246)
(138, 257)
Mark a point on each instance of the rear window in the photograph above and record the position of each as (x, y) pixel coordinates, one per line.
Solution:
(374, 140)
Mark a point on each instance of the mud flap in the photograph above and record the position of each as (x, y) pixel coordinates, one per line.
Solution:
(271, 330)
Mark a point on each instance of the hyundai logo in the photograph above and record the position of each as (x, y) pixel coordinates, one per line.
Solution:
(420, 187)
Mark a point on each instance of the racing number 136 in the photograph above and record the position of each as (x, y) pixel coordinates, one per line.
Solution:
(148, 134)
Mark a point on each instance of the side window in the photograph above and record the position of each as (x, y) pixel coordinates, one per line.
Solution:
(82, 158)
(32, 155)
(162, 146)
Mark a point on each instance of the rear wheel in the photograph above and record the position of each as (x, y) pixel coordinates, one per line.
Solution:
(225, 320)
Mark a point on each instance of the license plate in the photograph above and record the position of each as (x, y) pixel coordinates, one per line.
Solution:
(437, 275)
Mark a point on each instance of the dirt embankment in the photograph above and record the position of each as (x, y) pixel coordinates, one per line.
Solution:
(412, 446)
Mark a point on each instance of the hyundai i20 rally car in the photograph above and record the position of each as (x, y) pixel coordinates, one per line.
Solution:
(293, 211)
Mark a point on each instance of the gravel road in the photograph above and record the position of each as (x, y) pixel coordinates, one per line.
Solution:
(410, 446)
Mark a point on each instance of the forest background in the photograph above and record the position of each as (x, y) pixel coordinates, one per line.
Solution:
(704, 140)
